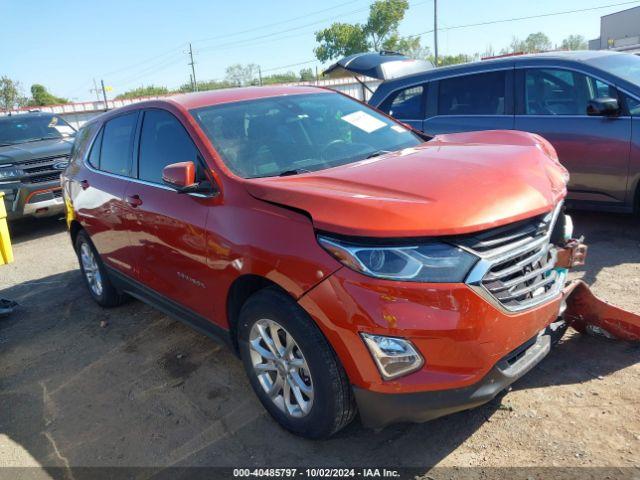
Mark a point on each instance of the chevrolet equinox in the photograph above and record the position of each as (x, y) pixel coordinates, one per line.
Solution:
(353, 265)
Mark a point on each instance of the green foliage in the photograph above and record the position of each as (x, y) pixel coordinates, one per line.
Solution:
(240, 75)
(380, 32)
(535, 42)
(10, 94)
(574, 42)
(287, 77)
(148, 91)
(382, 25)
(41, 97)
(307, 75)
(340, 40)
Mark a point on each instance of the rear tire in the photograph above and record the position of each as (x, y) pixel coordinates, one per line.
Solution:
(292, 368)
(95, 274)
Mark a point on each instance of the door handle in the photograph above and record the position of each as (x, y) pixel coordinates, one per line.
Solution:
(84, 184)
(134, 200)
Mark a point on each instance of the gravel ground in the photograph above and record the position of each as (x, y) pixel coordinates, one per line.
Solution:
(147, 391)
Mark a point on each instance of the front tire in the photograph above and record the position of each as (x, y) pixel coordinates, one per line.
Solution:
(95, 274)
(292, 368)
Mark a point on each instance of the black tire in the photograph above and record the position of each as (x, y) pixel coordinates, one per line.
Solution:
(108, 296)
(333, 405)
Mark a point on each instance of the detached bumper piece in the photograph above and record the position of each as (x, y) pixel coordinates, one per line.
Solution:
(587, 313)
(380, 409)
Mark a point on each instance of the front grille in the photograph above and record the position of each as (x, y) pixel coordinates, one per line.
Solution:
(41, 170)
(518, 262)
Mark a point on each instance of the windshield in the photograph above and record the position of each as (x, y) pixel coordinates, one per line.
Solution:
(24, 128)
(625, 66)
(299, 133)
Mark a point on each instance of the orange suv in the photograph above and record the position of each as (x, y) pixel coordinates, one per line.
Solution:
(352, 263)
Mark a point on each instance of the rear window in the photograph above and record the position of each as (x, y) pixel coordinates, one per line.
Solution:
(480, 94)
(405, 104)
(117, 144)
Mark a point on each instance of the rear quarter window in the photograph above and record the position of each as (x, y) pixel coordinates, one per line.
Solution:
(477, 94)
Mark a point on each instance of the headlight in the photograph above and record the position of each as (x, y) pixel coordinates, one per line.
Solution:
(393, 356)
(9, 172)
(434, 262)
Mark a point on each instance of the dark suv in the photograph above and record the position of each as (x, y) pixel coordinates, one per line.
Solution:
(587, 104)
(34, 149)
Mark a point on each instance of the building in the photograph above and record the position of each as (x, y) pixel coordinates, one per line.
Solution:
(619, 31)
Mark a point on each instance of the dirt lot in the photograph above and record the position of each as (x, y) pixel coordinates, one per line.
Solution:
(147, 391)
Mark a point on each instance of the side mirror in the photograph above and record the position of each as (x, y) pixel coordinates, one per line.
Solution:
(603, 107)
(181, 176)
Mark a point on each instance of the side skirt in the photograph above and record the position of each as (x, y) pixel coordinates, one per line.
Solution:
(143, 293)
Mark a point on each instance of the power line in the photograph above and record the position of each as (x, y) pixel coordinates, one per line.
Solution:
(289, 66)
(262, 27)
(514, 19)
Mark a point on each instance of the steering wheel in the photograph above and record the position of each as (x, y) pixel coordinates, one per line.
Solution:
(331, 144)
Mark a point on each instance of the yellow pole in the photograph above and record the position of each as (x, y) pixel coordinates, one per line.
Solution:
(6, 254)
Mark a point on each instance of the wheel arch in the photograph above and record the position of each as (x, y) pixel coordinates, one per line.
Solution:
(74, 228)
(240, 291)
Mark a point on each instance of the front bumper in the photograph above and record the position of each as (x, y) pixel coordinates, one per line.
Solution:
(39, 200)
(380, 409)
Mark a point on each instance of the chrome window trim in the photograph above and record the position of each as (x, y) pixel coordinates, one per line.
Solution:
(486, 262)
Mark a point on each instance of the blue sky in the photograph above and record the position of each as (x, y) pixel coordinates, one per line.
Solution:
(65, 44)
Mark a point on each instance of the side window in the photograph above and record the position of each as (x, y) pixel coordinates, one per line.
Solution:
(562, 92)
(405, 104)
(81, 141)
(479, 94)
(163, 141)
(94, 155)
(117, 142)
(633, 105)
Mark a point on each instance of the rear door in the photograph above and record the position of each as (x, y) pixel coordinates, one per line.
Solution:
(170, 231)
(552, 102)
(468, 102)
(100, 200)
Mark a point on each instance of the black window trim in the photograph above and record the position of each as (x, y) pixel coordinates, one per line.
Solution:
(520, 79)
(99, 134)
(423, 100)
(198, 161)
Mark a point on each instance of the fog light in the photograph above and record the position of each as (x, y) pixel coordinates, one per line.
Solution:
(394, 356)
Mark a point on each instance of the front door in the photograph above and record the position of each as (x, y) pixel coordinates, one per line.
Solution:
(595, 149)
(171, 230)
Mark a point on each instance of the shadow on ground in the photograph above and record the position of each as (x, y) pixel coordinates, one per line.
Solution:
(33, 228)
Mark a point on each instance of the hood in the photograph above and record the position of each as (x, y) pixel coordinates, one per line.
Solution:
(454, 184)
(382, 65)
(32, 150)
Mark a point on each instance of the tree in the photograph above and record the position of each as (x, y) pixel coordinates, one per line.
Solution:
(574, 42)
(537, 42)
(287, 77)
(340, 40)
(40, 96)
(205, 85)
(380, 32)
(242, 75)
(148, 91)
(10, 94)
(307, 75)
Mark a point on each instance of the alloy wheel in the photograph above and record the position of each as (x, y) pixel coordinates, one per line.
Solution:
(91, 269)
(281, 368)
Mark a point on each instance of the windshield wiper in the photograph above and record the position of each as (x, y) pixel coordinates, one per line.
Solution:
(377, 153)
(295, 171)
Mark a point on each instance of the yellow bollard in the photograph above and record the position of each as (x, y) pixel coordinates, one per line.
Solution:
(6, 254)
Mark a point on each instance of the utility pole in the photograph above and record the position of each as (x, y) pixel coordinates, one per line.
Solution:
(260, 75)
(95, 90)
(193, 69)
(316, 75)
(104, 94)
(435, 30)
